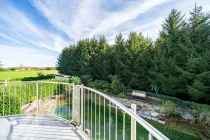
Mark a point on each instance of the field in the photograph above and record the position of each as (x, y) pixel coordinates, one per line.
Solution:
(8, 75)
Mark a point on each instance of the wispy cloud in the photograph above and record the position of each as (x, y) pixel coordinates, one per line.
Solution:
(14, 56)
(74, 18)
(131, 12)
(56, 24)
(30, 32)
(89, 18)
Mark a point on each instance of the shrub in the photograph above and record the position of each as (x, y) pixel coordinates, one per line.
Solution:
(204, 120)
(155, 88)
(49, 68)
(14, 68)
(86, 79)
(40, 74)
(116, 85)
(91, 85)
(164, 97)
(169, 108)
(121, 95)
(100, 84)
(75, 80)
(2, 69)
(106, 90)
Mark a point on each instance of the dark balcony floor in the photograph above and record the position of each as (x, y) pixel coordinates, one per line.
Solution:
(28, 127)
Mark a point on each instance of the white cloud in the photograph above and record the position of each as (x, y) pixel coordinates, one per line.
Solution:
(78, 20)
(88, 18)
(75, 18)
(9, 38)
(131, 12)
(23, 27)
(14, 56)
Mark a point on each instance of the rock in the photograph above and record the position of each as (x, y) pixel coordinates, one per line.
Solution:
(160, 121)
(34, 103)
(146, 113)
(24, 107)
(188, 116)
(154, 119)
(154, 114)
(157, 108)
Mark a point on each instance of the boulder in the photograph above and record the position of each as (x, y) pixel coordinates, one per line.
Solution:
(24, 107)
(188, 116)
(154, 114)
(146, 113)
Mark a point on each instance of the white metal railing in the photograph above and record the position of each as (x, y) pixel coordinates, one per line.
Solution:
(97, 114)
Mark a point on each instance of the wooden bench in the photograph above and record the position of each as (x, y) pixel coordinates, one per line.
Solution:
(138, 93)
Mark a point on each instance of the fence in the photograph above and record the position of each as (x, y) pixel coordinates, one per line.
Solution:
(98, 115)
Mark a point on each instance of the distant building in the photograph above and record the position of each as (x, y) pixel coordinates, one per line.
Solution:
(61, 77)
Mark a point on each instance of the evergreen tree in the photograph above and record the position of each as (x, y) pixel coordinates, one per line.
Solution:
(169, 54)
(131, 62)
(1, 65)
(199, 60)
(178, 62)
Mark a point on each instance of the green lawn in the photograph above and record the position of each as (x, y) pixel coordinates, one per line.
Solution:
(22, 74)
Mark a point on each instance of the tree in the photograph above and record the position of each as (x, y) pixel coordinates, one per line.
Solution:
(132, 60)
(177, 63)
(198, 63)
(169, 54)
(172, 24)
(1, 65)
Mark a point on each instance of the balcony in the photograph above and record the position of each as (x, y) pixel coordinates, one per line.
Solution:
(53, 110)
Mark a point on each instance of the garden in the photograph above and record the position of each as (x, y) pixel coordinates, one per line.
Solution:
(176, 118)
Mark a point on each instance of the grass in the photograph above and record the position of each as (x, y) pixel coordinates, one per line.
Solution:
(9, 75)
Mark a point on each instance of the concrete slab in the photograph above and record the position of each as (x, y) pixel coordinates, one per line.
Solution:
(4, 128)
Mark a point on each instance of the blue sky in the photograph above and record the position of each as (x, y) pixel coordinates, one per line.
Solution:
(33, 32)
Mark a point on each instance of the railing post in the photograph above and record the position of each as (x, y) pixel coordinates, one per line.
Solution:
(5, 83)
(73, 91)
(37, 98)
(133, 123)
(76, 115)
(81, 90)
(150, 136)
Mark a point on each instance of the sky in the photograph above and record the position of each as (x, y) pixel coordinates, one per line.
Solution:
(34, 32)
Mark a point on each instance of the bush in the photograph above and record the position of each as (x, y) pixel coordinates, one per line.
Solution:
(169, 108)
(40, 74)
(100, 84)
(86, 79)
(116, 85)
(204, 120)
(92, 85)
(14, 68)
(49, 68)
(3, 69)
(164, 97)
(75, 80)
(121, 95)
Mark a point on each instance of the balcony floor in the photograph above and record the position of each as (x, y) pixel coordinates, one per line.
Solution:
(28, 127)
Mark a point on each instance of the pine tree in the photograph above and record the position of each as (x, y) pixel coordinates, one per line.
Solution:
(199, 60)
(169, 54)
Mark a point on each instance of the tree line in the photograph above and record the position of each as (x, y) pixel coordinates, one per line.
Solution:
(177, 63)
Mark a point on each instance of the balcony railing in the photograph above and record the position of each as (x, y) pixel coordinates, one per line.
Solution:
(94, 113)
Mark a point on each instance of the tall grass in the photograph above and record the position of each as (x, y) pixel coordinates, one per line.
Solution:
(16, 94)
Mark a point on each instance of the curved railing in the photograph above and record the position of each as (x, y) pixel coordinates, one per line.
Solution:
(96, 114)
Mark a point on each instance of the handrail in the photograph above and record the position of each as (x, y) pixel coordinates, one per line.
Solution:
(141, 121)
